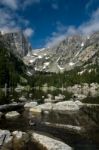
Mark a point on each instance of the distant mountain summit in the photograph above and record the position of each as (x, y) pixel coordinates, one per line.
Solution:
(17, 42)
(73, 51)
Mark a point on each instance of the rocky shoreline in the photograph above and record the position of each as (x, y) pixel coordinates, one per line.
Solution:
(72, 116)
(18, 140)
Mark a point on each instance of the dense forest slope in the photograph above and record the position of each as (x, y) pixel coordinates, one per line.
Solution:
(11, 67)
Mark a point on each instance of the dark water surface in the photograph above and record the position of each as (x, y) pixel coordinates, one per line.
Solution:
(75, 140)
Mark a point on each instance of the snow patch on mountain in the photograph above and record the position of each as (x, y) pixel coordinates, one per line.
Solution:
(61, 68)
(40, 57)
(82, 44)
(71, 63)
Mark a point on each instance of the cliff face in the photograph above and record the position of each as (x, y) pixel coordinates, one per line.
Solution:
(73, 51)
(18, 43)
(11, 66)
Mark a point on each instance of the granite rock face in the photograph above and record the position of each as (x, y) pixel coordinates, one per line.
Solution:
(18, 43)
(48, 143)
(73, 51)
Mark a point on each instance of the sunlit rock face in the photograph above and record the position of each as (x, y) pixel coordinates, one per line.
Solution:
(73, 51)
(18, 43)
(48, 143)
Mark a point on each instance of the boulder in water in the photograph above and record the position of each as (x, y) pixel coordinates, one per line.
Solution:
(49, 143)
(5, 139)
(12, 114)
(66, 106)
(30, 105)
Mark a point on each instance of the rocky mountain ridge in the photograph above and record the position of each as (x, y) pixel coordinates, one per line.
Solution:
(73, 51)
(11, 66)
(17, 42)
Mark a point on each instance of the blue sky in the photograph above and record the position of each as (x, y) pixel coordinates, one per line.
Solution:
(47, 22)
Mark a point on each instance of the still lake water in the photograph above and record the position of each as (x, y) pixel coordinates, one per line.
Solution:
(75, 140)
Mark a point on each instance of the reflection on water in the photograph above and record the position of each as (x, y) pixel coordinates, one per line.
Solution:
(77, 141)
(38, 95)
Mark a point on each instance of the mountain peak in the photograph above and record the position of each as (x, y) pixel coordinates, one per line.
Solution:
(74, 50)
(17, 42)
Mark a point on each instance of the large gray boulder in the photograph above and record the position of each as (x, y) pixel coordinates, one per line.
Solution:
(66, 106)
(12, 114)
(60, 106)
(38, 109)
(30, 105)
(46, 106)
(48, 143)
(5, 139)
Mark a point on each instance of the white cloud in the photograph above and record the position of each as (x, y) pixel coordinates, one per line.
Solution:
(56, 37)
(92, 25)
(8, 29)
(7, 21)
(4, 17)
(10, 22)
(17, 4)
(13, 4)
(28, 32)
(86, 28)
(54, 40)
(72, 30)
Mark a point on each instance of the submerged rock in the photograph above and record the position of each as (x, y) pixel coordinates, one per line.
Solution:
(35, 111)
(12, 114)
(72, 128)
(1, 114)
(48, 143)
